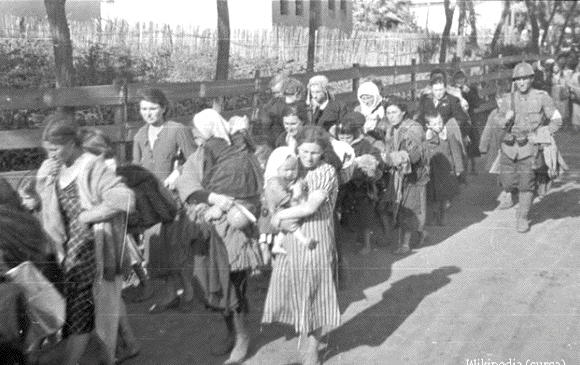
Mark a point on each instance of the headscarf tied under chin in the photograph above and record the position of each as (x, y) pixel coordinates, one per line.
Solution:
(321, 81)
(210, 123)
(370, 88)
(277, 159)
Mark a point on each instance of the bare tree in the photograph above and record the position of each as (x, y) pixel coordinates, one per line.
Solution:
(223, 55)
(496, 35)
(549, 21)
(472, 23)
(449, 10)
(462, 5)
(568, 16)
(314, 21)
(533, 16)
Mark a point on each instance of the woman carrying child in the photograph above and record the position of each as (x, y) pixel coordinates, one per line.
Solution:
(358, 197)
(221, 175)
(409, 175)
(302, 291)
(445, 158)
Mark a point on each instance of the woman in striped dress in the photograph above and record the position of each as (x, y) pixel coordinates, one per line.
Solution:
(302, 290)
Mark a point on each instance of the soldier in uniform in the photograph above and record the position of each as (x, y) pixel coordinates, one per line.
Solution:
(525, 111)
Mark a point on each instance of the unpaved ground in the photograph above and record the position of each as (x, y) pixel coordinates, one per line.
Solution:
(478, 292)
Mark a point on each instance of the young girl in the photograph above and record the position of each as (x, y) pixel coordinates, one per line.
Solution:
(445, 159)
(282, 190)
(359, 196)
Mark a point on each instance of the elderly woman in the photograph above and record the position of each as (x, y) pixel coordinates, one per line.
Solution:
(222, 175)
(302, 291)
(325, 111)
(371, 106)
(83, 209)
(409, 175)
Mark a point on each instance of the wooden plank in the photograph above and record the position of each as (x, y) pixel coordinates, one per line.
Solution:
(173, 91)
(51, 98)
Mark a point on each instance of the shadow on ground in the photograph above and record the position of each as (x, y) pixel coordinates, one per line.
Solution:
(375, 324)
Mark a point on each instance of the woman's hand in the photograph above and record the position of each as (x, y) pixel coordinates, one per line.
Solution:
(224, 202)
(85, 217)
(213, 213)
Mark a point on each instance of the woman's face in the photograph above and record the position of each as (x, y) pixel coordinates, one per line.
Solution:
(291, 124)
(318, 94)
(310, 154)
(439, 91)
(367, 100)
(346, 137)
(436, 124)
(151, 113)
(61, 153)
(394, 114)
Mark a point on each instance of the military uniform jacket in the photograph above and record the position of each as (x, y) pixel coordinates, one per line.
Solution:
(532, 110)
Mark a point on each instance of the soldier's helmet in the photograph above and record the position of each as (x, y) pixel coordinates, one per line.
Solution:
(523, 69)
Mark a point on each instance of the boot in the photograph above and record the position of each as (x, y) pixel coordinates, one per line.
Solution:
(240, 350)
(506, 200)
(404, 243)
(523, 224)
(225, 346)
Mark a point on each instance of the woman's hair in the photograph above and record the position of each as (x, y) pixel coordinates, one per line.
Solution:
(437, 80)
(277, 79)
(351, 123)
(298, 109)
(97, 143)
(156, 96)
(9, 196)
(459, 74)
(313, 134)
(438, 73)
(293, 86)
(61, 129)
(399, 103)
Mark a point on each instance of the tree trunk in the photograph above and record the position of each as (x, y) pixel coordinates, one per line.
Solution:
(462, 4)
(568, 16)
(549, 21)
(223, 55)
(533, 15)
(504, 15)
(473, 24)
(449, 10)
(64, 71)
(312, 27)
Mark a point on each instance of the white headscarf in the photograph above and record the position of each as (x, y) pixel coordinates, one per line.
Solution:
(210, 123)
(370, 88)
(276, 159)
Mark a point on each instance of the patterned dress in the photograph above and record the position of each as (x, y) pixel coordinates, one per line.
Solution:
(302, 291)
(80, 267)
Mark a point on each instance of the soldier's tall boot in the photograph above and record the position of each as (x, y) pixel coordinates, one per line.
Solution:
(523, 224)
(242, 342)
(506, 200)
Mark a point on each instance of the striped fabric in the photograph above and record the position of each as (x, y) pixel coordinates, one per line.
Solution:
(302, 289)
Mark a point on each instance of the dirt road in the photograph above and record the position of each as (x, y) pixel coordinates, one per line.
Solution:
(479, 293)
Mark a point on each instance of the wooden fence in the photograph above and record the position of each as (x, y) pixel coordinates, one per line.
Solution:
(284, 44)
(119, 96)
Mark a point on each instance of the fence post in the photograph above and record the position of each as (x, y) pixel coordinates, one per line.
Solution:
(121, 119)
(413, 78)
(497, 81)
(256, 99)
(356, 80)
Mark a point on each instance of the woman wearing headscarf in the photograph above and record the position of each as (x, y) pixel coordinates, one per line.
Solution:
(325, 111)
(221, 175)
(371, 107)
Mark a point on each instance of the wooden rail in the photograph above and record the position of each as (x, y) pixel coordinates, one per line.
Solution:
(119, 95)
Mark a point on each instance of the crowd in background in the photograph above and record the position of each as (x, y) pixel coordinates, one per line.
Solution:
(219, 200)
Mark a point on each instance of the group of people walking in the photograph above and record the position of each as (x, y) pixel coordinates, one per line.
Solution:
(219, 200)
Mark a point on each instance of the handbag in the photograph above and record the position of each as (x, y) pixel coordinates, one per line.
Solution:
(45, 306)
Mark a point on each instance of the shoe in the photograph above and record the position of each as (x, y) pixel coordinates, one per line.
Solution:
(128, 356)
(402, 250)
(159, 308)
